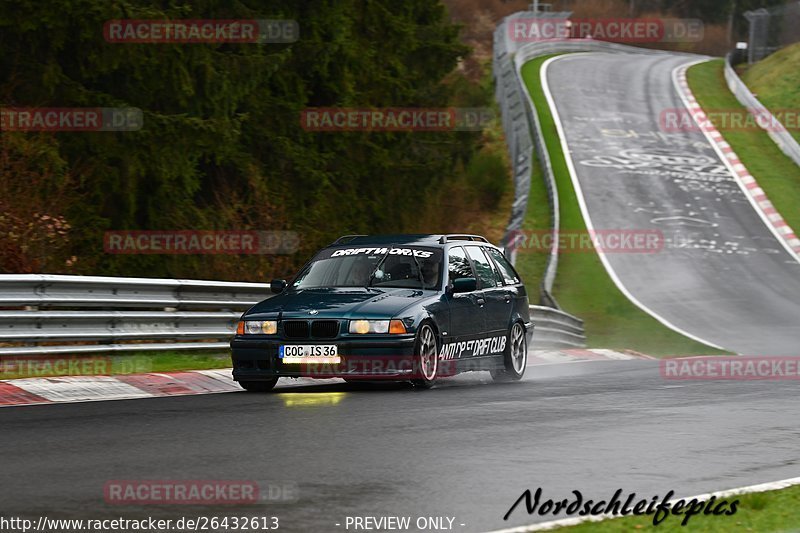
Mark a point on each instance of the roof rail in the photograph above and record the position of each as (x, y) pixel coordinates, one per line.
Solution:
(460, 237)
(345, 238)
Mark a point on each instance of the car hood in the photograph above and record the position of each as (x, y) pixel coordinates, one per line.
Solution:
(340, 303)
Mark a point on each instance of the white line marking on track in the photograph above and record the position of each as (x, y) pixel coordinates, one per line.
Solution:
(611, 354)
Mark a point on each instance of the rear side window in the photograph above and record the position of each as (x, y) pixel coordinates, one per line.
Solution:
(482, 267)
(498, 278)
(458, 264)
(509, 275)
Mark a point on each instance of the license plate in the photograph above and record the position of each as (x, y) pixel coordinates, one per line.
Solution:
(309, 353)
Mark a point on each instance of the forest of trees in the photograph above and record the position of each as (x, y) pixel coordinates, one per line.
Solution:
(222, 147)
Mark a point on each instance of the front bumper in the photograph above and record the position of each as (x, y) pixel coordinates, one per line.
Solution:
(373, 356)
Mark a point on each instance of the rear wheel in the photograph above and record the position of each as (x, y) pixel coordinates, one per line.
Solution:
(515, 357)
(258, 386)
(426, 357)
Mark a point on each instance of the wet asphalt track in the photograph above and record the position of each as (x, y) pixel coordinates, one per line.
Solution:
(466, 449)
(723, 275)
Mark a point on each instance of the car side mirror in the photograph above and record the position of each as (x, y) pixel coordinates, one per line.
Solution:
(464, 285)
(277, 286)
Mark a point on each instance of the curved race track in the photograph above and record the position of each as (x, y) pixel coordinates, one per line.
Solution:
(723, 277)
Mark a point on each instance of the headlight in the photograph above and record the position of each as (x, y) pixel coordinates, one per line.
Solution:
(261, 327)
(369, 326)
(376, 326)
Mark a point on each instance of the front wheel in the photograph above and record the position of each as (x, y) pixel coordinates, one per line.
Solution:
(258, 386)
(515, 357)
(426, 357)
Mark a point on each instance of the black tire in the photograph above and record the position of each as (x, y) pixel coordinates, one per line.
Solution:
(426, 357)
(515, 356)
(258, 386)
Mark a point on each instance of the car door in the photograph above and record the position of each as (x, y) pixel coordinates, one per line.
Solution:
(496, 300)
(466, 314)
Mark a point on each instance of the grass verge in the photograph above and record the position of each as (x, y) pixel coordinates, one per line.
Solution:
(776, 82)
(765, 512)
(537, 216)
(778, 175)
(582, 285)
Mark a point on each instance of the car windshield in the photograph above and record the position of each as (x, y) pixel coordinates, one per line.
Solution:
(408, 267)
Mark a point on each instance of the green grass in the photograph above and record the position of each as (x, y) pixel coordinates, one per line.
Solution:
(175, 361)
(582, 285)
(776, 81)
(15, 367)
(765, 512)
(531, 265)
(778, 175)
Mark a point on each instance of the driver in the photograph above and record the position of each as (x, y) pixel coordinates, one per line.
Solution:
(430, 273)
(359, 272)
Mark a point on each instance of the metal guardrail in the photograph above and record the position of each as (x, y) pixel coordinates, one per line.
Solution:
(518, 136)
(106, 315)
(554, 328)
(113, 326)
(48, 290)
(780, 135)
(119, 314)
